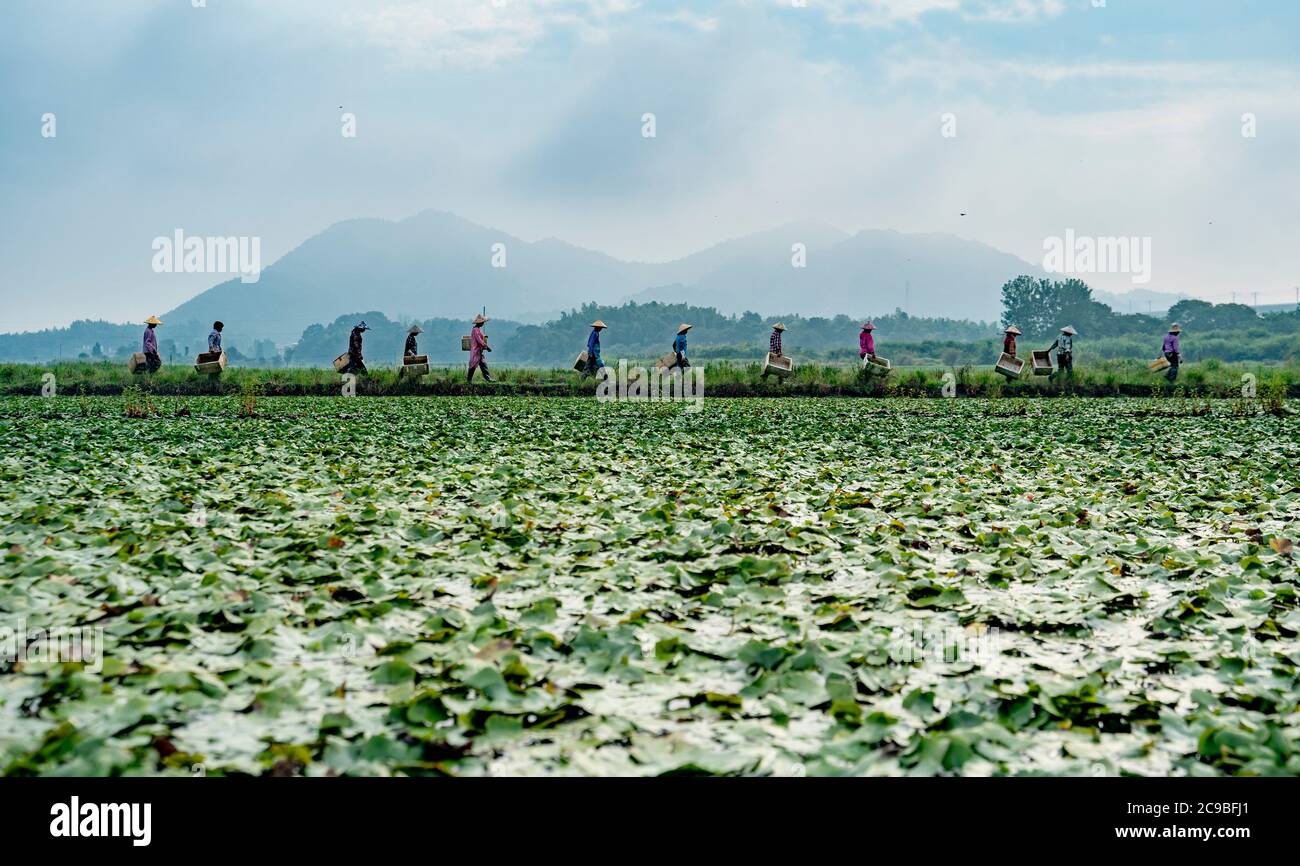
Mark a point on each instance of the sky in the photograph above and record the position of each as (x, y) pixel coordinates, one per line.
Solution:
(1175, 121)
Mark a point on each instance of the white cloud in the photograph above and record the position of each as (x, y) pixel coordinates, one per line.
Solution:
(434, 33)
(881, 13)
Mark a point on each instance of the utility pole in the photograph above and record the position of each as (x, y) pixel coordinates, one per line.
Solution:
(907, 295)
(1257, 302)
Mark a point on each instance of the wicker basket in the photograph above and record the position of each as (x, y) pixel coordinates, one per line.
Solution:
(580, 362)
(875, 365)
(464, 343)
(778, 365)
(341, 362)
(1041, 362)
(1010, 366)
(666, 361)
(138, 363)
(1159, 364)
(210, 363)
(414, 365)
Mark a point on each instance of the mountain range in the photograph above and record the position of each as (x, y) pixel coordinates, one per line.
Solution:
(436, 264)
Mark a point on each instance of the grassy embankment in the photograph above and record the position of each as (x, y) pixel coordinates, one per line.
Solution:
(1210, 378)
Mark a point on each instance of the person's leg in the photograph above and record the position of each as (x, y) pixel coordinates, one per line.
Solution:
(487, 374)
(469, 374)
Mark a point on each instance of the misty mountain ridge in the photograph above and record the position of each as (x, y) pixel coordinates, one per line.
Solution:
(436, 264)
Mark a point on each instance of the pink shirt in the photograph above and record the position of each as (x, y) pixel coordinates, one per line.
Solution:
(867, 342)
(477, 343)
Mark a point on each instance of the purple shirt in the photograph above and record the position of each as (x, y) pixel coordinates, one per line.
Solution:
(1171, 343)
(867, 343)
(150, 340)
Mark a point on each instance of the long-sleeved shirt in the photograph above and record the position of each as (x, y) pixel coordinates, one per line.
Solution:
(867, 343)
(354, 344)
(214, 341)
(1171, 344)
(150, 341)
(593, 346)
(411, 348)
(477, 344)
(774, 344)
(1009, 344)
(679, 344)
(1064, 343)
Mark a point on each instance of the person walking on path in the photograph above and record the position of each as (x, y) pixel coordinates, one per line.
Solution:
(774, 345)
(412, 349)
(356, 364)
(1009, 341)
(152, 360)
(1173, 351)
(214, 338)
(679, 349)
(1064, 347)
(774, 342)
(478, 344)
(594, 361)
(867, 341)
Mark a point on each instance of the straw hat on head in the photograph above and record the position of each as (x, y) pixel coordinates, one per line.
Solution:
(1175, 328)
(481, 319)
(1069, 331)
(868, 326)
(683, 328)
(153, 320)
(361, 326)
(416, 329)
(779, 326)
(1013, 330)
(599, 324)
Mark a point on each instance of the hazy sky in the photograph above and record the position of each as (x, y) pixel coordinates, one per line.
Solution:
(526, 115)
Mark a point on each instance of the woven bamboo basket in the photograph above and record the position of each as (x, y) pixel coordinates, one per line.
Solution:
(1010, 366)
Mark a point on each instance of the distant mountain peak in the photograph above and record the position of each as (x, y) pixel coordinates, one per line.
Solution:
(436, 263)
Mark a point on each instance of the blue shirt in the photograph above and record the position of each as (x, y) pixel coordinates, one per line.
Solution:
(214, 341)
(593, 343)
(679, 344)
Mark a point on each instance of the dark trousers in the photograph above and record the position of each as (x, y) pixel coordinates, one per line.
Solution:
(481, 365)
(681, 363)
(355, 365)
(1172, 373)
(152, 362)
(1064, 365)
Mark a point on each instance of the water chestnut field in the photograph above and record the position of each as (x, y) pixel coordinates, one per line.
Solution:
(552, 586)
